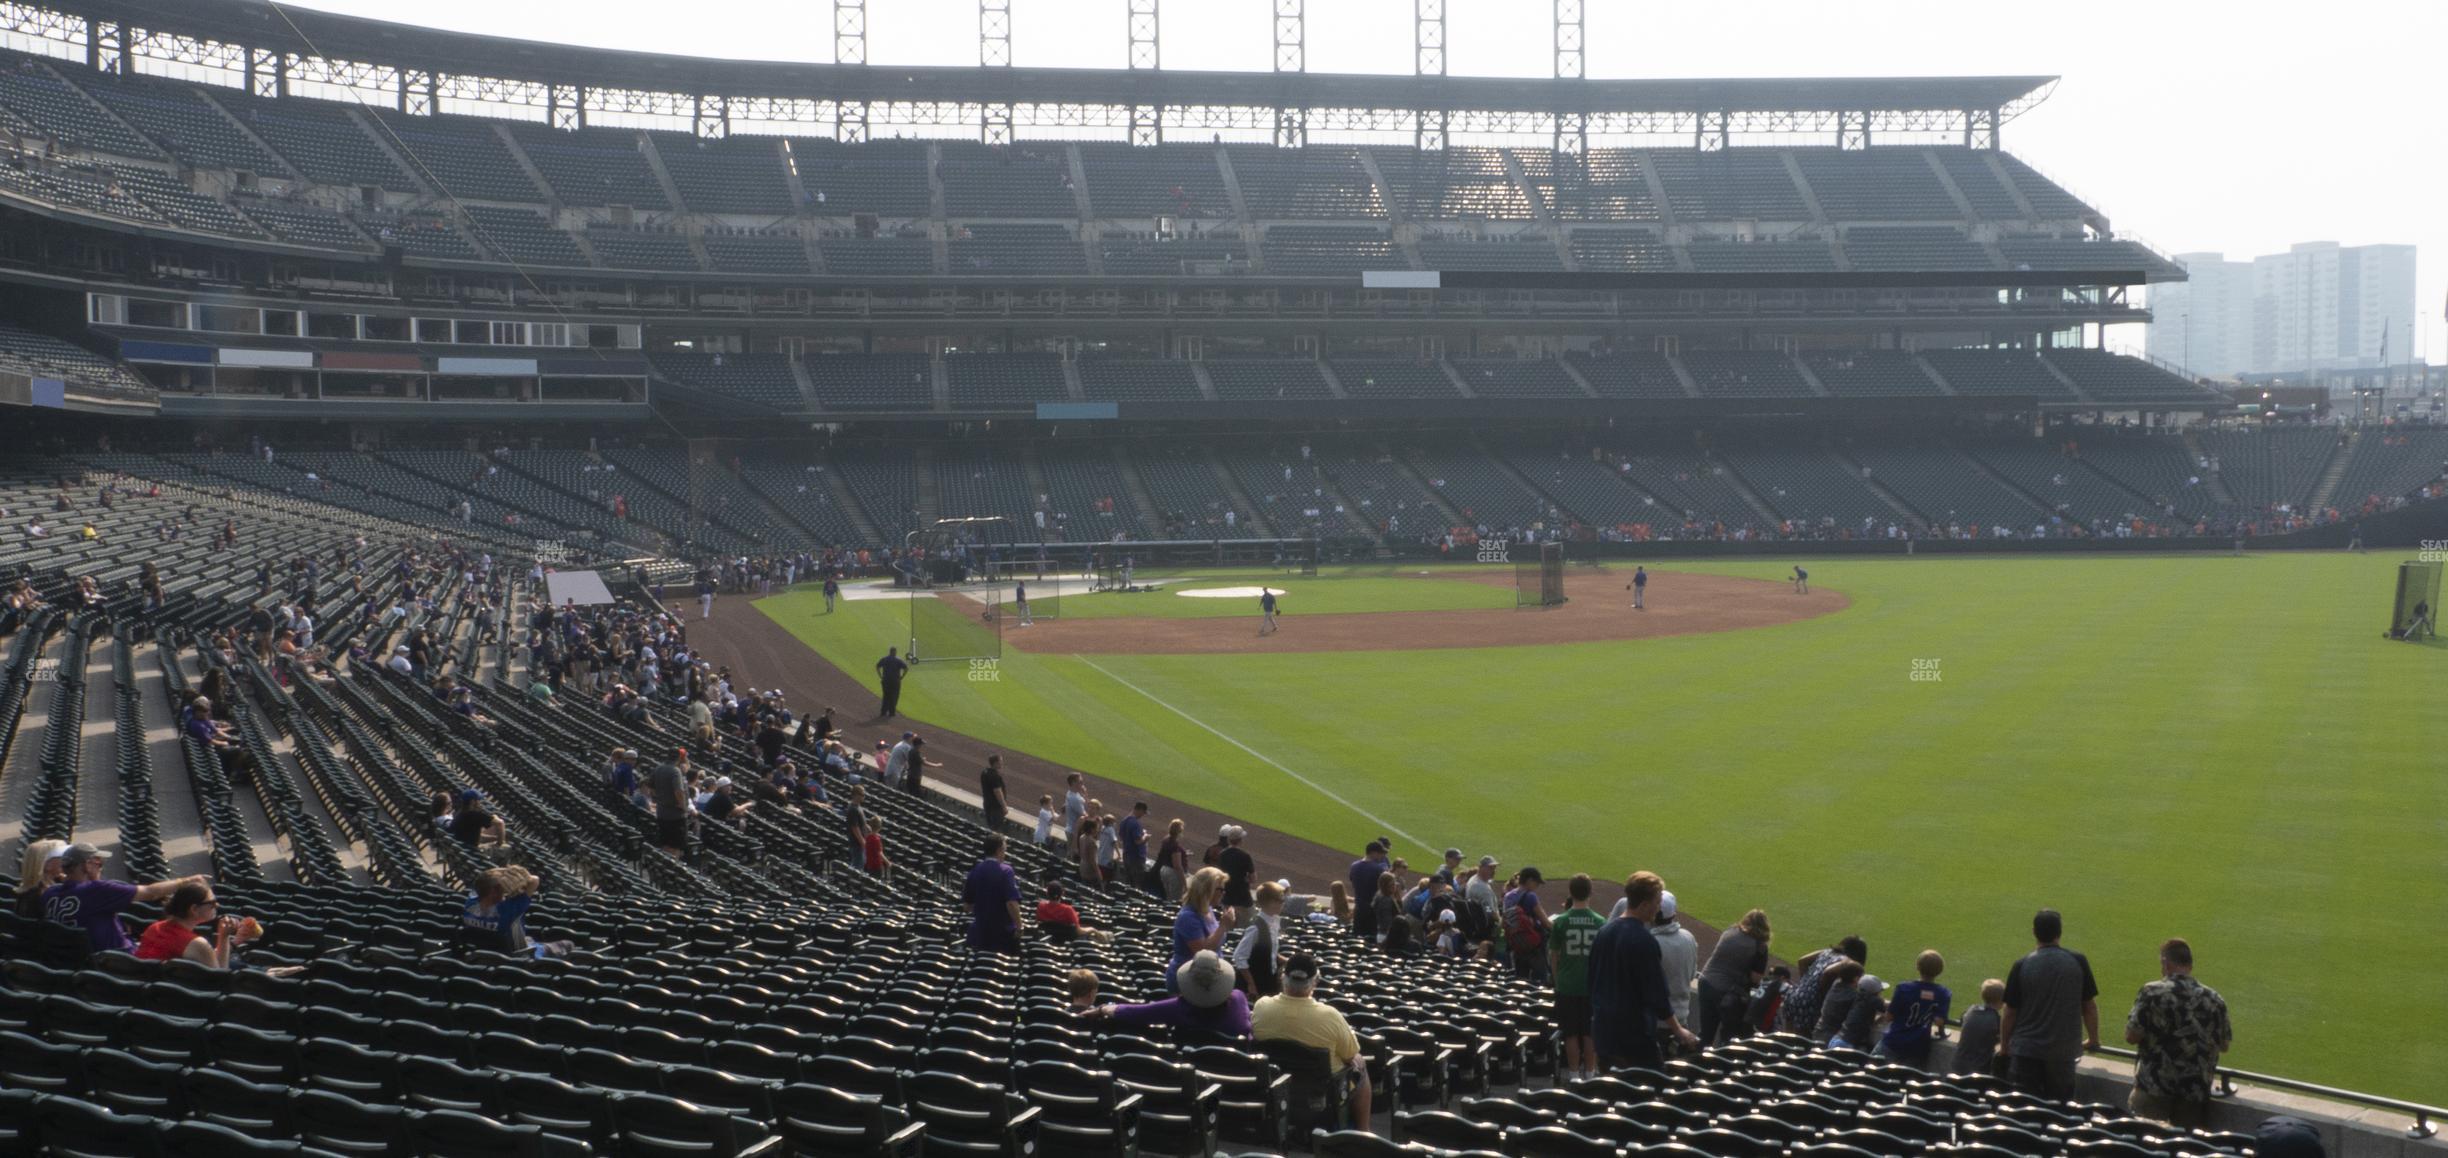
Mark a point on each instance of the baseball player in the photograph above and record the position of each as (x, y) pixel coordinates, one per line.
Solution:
(1266, 611)
(1801, 580)
(1020, 597)
(1639, 586)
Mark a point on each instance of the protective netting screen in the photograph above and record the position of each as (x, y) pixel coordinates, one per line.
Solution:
(1538, 575)
(2415, 613)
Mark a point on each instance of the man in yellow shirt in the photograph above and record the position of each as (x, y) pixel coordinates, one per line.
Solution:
(1296, 1015)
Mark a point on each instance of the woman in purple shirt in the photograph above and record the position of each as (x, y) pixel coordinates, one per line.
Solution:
(1195, 928)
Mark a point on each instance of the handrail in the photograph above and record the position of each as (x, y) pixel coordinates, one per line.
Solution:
(2228, 1077)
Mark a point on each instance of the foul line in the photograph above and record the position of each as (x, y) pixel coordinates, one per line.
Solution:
(1270, 761)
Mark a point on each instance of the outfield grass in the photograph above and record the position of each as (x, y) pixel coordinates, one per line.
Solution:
(2216, 748)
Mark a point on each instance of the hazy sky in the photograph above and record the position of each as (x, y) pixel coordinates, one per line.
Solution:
(2194, 125)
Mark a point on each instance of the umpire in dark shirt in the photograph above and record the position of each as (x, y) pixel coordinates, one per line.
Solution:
(1629, 1010)
(889, 671)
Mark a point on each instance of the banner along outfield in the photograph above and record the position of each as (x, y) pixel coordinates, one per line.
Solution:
(2218, 748)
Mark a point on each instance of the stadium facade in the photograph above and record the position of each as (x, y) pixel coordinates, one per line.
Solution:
(1124, 294)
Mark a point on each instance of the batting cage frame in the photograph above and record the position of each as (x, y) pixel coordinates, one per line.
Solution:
(948, 556)
(1041, 568)
(2414, 616)
(1539, 582)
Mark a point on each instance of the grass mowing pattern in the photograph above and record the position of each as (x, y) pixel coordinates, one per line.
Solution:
(2222, 749)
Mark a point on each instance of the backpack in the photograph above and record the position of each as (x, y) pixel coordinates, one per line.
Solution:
(1473, 921)
(1522, 932)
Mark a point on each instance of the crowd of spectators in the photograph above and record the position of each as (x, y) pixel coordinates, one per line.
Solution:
(1631, 987)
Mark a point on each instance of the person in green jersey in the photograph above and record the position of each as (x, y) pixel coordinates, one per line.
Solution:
(1568, 947)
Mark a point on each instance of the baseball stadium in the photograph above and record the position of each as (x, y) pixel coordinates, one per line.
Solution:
(570, 600)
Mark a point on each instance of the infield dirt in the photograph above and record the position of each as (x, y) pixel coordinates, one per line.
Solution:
(1599, 608)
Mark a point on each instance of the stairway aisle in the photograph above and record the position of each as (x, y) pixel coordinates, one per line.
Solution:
(184, 845)
(98, 767)
(2335, 472)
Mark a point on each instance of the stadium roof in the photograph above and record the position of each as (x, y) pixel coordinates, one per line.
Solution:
(260, 24)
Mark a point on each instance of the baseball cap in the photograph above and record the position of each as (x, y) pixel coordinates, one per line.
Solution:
(1531, 873)
(1487, 862)
(1666, 907)
(2286, 1136)
(400, 650)
(468, 794)
(1447, 916)
(1453, 854)
(1376, 846)
(78, 853)
(1869, 985)
(1300, 969)
(722, 782)
(202, 703)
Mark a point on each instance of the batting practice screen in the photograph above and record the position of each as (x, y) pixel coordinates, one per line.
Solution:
(2416, 612)
(1538, 580)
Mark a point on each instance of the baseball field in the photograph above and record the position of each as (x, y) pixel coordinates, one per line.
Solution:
(1921, 751)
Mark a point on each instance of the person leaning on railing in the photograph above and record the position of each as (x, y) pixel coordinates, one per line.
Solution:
(2179, 1028)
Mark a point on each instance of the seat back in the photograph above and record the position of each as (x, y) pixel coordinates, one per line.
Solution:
(652, 1124)
(559, 1108)
(854, 1077)
(1446, 1131)
(345, 1125)
(1316, 1090)
(71, 1126)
